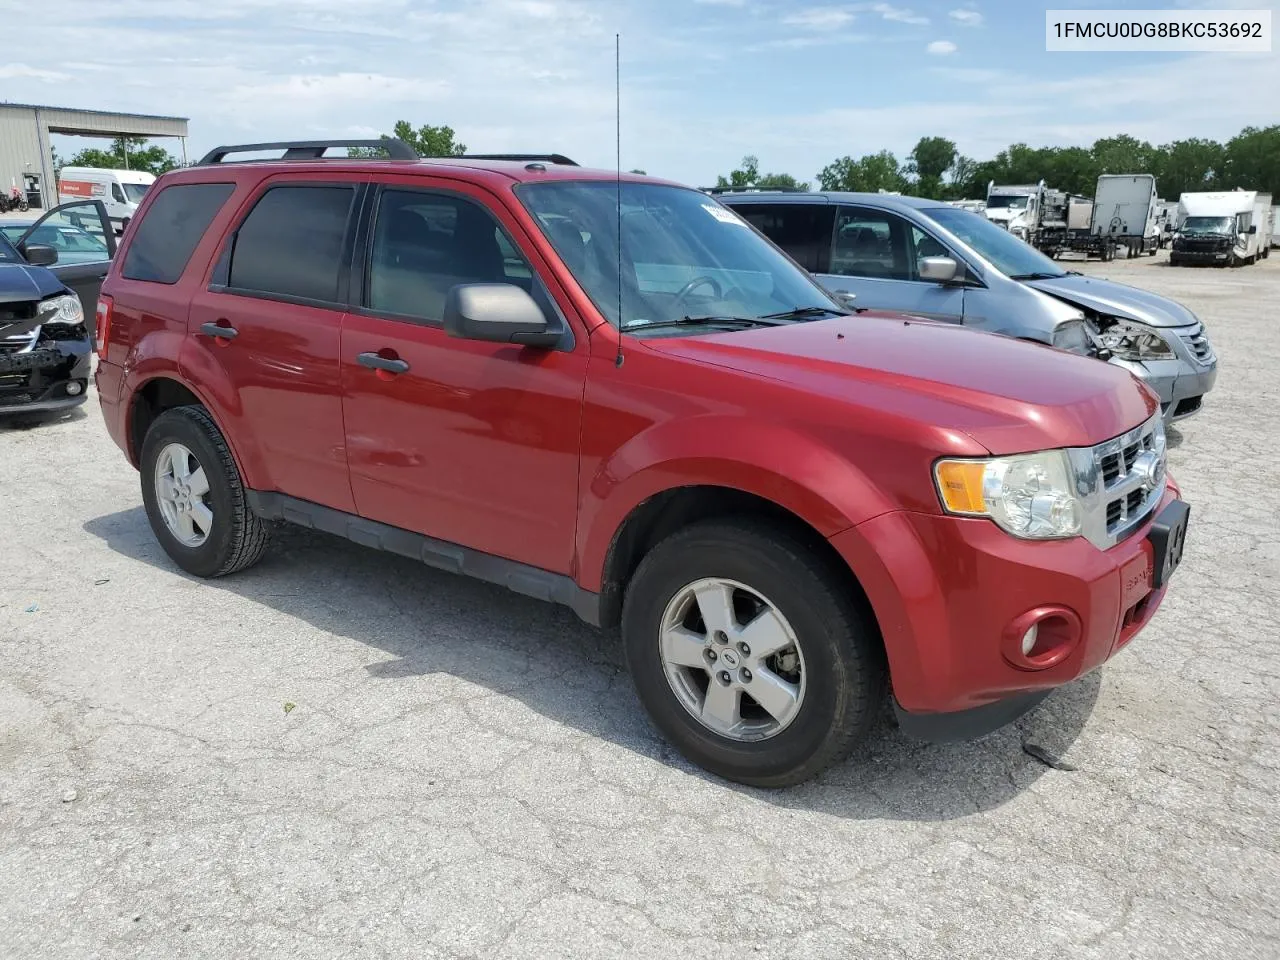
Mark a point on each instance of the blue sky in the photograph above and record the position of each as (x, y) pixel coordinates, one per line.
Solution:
(704, 81)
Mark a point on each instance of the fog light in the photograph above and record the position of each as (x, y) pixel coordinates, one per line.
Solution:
(1042, 637)
(73, 388)
(1029, 639)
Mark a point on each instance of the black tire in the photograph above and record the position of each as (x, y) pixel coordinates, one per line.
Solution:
(238, 538)
(843, 655)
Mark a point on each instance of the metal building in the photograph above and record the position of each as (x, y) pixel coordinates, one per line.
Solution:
(26, 155)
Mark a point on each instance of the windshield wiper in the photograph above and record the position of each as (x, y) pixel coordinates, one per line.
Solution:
(799, 312)
(704, 321)
(1035, 276)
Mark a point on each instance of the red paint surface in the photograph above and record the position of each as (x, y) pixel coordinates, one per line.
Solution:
(540, 456)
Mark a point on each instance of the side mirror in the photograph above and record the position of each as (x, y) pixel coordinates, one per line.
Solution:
(38, 255)
(498, 313)
(1253, 229)
(845, 297)
(938, 269)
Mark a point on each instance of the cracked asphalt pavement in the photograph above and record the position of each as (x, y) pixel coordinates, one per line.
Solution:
(341, 753)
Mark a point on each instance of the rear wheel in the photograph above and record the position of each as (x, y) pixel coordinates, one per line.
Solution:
(195, 498)
(749, 653)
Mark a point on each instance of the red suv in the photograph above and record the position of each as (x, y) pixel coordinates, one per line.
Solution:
(615, 394)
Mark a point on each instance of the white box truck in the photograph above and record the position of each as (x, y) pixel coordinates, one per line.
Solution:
(1223, 227)
(1124, 211)
(120, 190)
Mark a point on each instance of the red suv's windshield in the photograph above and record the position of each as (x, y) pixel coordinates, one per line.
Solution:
(683, 253)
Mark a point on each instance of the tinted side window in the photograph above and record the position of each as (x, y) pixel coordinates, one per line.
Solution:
(801, 229)
(164, 239)
(291, 243)
(424, 244)
(871, 243)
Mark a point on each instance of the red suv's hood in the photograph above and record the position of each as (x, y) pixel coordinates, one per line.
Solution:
(1008, 395)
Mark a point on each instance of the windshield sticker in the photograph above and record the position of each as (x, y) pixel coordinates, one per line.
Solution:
(723, 215)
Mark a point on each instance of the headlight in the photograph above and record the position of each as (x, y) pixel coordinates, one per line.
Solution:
(1028, 495)
(63, 309)
(1128, 340)
(1074, 337)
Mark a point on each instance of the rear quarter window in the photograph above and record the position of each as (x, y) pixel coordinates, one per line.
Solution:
(166, 236)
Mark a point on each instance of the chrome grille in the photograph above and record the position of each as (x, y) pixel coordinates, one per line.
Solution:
(1120, 481)
(1197, 342)
(19, 342)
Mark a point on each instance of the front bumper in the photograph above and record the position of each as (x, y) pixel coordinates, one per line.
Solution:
(1200, 256)
(54, 376)
(946, 592)
(1180, 383)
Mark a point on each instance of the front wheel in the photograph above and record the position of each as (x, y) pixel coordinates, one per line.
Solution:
(750, 654)
(195, 498)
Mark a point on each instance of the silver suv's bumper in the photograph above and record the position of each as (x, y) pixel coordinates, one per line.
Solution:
(1182, 382)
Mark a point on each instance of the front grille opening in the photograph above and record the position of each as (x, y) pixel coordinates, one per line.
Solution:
(1125, 508)
(1111, 468)
(1189, 405)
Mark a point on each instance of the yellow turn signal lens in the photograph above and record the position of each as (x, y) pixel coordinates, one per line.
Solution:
(960, 485)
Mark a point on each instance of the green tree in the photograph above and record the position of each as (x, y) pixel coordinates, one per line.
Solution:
(930, 159)
(1122, 154)
(426, 141)
(640, 172)
(1186, 166)
(959, 175)
(875, 171)
(126, 152)
(748, 175)
(1252, 160)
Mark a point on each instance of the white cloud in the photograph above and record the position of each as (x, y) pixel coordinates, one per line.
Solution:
(13, 71)
(941, 48)
(966, 17)
(819, 18)
(722, 3)
(897, 14)
(971, 74)
(808, 40)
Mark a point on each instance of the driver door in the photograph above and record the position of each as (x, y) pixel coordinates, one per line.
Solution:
(470, 442)
(875, 255)
(80, 233)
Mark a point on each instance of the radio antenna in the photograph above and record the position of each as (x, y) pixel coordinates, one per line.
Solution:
(617, 122)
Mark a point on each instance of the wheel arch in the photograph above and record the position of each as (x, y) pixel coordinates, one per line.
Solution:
(164, 391)
(664, 513)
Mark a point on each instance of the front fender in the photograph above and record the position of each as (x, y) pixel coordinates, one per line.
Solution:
(777, 463)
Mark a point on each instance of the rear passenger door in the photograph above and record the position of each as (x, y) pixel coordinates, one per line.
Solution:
(803, 230)
(874, 255)
(266, 331)
(469, 442)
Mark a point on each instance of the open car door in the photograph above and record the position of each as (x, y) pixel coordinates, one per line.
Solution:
(80, 233)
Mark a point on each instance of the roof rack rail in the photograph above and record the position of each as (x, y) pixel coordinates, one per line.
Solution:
(719, 190)
(312, 149)
(558, 158)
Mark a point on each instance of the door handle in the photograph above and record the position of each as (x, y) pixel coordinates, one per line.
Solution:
(218, 331)
(376, 361)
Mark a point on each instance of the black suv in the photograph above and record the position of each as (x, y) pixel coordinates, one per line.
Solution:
(45, 342)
